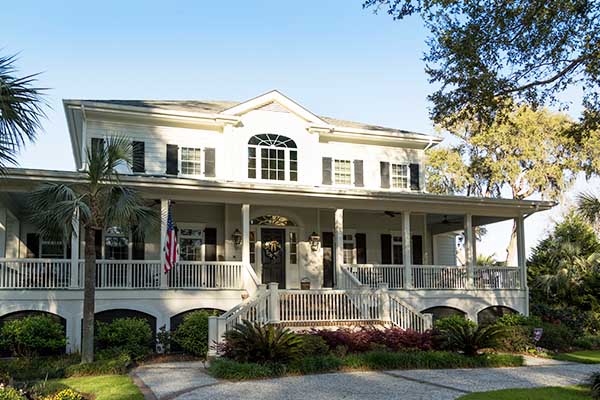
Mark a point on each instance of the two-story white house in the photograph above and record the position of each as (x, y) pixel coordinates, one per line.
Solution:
(262, 191)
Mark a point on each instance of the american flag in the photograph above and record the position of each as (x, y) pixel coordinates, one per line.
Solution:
(170, 249)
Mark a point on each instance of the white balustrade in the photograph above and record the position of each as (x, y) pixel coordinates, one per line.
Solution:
(404, 316)
(124, 274)
(348, 280)
(206, 274)
(328, 305)
(439, 277)
(254, 309)
(374, 274)
(497, 278)
(34, 273)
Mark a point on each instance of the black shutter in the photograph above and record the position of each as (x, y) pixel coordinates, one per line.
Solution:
(98, 235)
(417, 250)
(97, 144)
(210, 244)
(386, 248)
(385, 174)
(414, 176)
(139, 157)
(209, 162)
(361, 248)
(172, 161)
(358, 173)
(328, 258)
(33, 245)
(326, 170)
(138, 248)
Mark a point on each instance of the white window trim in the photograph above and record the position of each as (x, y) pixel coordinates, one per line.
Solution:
(333, 180)
(196, 226)
(352, 233)
(286, 164)
(400, 189)
(200, 163)
(257, 229)
(395, 243)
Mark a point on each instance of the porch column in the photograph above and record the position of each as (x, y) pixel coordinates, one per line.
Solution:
(339, 244)
(469, 253)
(522, 261)
(164, 214)
(406, 250)
(246, 234)
(75, 251)
(2, 232)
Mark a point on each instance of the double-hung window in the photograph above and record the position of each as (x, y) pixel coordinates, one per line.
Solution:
(116, 243)
(399, 176)
(191, 161)
(349, 249)
(397, 248)
(342, 172)
(191, 239)
(272, 157)
(52, 249)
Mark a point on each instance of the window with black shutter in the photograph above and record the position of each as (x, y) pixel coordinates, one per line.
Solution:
(385, 174)
(414, 177)
(33, 245)
(139, 157)
(361, 248)
(209, 162)
(386, 248)
(210, 244)
(358, 173)
(417, 250)
(327, 170)
(172, 159)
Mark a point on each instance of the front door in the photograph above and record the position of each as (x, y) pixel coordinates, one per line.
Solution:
(273, 255)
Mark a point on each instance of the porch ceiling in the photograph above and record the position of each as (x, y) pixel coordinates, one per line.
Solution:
(213, 191)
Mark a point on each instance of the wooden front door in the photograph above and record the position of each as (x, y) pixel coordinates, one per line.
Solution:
(328, 254)
(273, 255)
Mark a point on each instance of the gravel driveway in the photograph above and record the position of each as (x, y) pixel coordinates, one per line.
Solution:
(188, 381)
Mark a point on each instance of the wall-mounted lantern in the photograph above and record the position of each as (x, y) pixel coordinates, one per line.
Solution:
(315, 240)
(236, 236)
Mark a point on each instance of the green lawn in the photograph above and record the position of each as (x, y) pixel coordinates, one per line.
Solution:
(105, 387)
(586, 356)
(554, 393)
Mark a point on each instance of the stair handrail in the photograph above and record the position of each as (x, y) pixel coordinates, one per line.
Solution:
(418, 321)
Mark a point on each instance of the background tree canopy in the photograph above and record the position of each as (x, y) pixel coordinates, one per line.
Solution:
(484, 53)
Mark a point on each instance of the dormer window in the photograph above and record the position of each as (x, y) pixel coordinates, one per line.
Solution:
(272, 157)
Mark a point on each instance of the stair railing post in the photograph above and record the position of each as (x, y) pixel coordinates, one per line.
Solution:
(274, 310)
(427, 321)
(384, 302)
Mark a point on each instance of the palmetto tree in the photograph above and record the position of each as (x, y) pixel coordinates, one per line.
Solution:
(21, 110)
(588, 206)
(100, 201)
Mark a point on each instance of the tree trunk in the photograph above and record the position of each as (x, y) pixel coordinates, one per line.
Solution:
(89, 294)
(512, 257)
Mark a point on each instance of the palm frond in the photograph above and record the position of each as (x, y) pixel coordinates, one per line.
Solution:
(21, 110)
(588, 206)
(104, 161)
(122, 206)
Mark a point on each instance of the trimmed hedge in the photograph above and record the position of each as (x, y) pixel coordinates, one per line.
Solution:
(132, 336)
(33, 336)
(192, 334)
(374, 360)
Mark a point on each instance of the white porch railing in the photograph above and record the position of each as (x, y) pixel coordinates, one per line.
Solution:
(497, 278)
(407, 317)
(374, 274)
(122, 274)
(439, 277)
(208, 274)
(34, 273)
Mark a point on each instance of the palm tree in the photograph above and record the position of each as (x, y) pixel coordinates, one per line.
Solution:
(588, 206)
(99, 202)
(21, 111)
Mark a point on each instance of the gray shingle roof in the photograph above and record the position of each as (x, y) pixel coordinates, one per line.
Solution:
(210, 106)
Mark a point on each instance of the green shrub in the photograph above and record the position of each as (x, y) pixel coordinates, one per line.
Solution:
(516, 339)
(33, 336)
(470, 339)
(228, 369)
(443, 324)
(313, 345)
(10, 393)
(31, 369)
(132, 336)
(114, 366)
(249, 342)
(587, 342)
(163, 340)
(192, 334)
(316, 364)
(595, 385)
(518, 320)
(556, 337)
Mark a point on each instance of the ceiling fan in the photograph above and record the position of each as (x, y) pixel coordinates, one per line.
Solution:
(391, 214)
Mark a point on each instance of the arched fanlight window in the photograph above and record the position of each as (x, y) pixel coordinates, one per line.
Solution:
(272, 157)
(276, 220)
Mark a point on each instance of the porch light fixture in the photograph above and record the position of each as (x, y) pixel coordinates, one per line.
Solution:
(314, 239)
(236, 236)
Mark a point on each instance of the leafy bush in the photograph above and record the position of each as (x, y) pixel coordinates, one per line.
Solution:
(262, 344)
(516, 339)
(443, 324)
(595, 385)
(30, 369)
(556, 337)
(366, 339)
(192, 334)
(113, 366)
(519, 320)
(163, 340)
(10, 393)
(32, 336)
(587, 342)
(316, 364)
(228, 369)
(470, 339)
(132, 336)
(313, 345)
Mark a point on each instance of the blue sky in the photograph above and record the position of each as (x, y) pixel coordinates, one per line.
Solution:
(333, 57)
